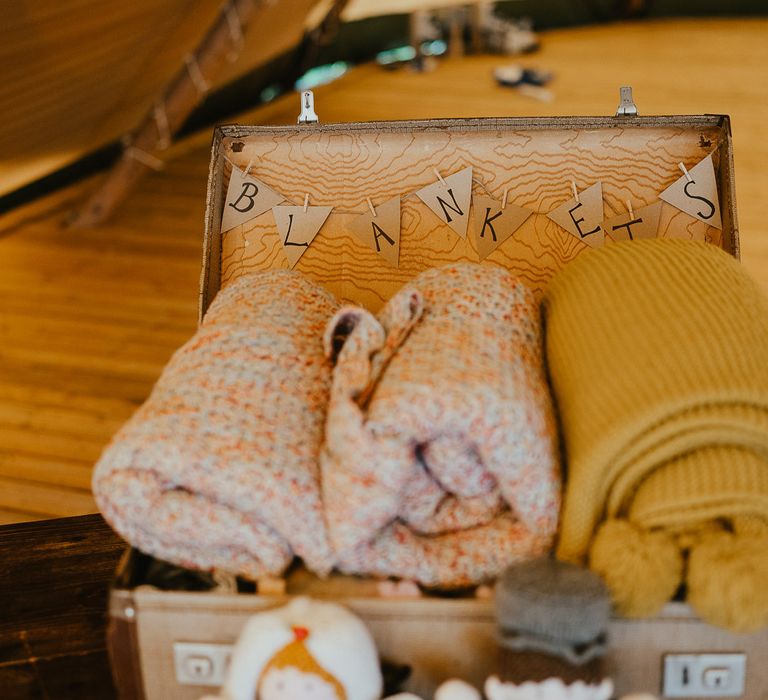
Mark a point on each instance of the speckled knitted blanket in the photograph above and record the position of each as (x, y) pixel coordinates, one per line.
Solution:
(219, 468)
(440, 463)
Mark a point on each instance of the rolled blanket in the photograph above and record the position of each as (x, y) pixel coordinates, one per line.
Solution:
(658, 355)
(441, 461)
(219, 467)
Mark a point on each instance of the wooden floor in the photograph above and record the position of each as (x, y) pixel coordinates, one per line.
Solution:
(88, 318)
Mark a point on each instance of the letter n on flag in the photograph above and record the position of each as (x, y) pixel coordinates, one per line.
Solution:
(449, 199)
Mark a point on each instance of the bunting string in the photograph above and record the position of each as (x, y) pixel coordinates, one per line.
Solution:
(339, 210)
(451, 197)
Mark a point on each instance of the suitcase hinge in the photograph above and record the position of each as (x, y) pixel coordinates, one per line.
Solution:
(308, 114)
(627, 106)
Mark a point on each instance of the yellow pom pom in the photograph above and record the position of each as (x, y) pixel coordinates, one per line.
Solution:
(688, 538)
(642, 568)
(752, 526)
(728, 577)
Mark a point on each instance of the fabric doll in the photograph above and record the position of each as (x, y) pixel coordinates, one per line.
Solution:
(306, 650)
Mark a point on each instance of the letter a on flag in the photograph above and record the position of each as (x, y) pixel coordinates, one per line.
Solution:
(494, 225)
(298, 228)
(247, 197)
(450, 201)
(381, 232)
(697, 196)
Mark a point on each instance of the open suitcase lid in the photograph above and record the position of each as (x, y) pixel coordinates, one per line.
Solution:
(536, 160)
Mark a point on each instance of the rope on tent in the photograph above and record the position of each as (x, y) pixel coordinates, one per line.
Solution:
(188, 87)
(164, 136)
(196, 75)
(144, 158)
(235, 25)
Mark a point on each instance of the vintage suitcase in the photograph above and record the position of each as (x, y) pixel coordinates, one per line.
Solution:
(175, 644)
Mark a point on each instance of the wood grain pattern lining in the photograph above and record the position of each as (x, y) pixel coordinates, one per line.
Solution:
(342, 165)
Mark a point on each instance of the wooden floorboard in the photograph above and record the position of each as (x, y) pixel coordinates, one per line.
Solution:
(89, 318)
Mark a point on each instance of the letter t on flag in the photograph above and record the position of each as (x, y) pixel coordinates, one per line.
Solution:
(642, 223)
(382, 231)
(247, 198)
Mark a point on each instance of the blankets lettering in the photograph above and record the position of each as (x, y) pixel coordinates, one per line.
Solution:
(218, 468)
(658, 353)
(440, 462)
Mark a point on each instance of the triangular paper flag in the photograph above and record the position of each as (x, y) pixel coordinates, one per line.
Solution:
(247, 197)
(697, 196)
(381, 232)
(583, 218)
(493, 225)
(642, 223)
(298, 228)
(450, 201)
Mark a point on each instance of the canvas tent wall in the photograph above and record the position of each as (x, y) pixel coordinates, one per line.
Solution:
(79, 74)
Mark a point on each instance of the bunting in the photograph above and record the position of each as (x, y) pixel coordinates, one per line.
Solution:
(298, 227)
(379, 229)
(247, 197)
(582, 215)
(639, 223)
(451, 199)
(495, 223)
(695, 193)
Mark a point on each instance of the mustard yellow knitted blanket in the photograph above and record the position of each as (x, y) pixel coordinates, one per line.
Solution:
(219, 467)
(658, 356)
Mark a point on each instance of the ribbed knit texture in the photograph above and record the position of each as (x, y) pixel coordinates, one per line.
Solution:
(658, 354)
(441, 461)
(219, 467)
(706, 484)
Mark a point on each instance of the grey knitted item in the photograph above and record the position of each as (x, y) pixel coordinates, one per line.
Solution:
(552, 606)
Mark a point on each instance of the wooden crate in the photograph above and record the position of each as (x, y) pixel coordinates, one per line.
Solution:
(342, 165)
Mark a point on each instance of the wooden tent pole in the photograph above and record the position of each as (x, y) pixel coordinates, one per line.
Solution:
(222, 43)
